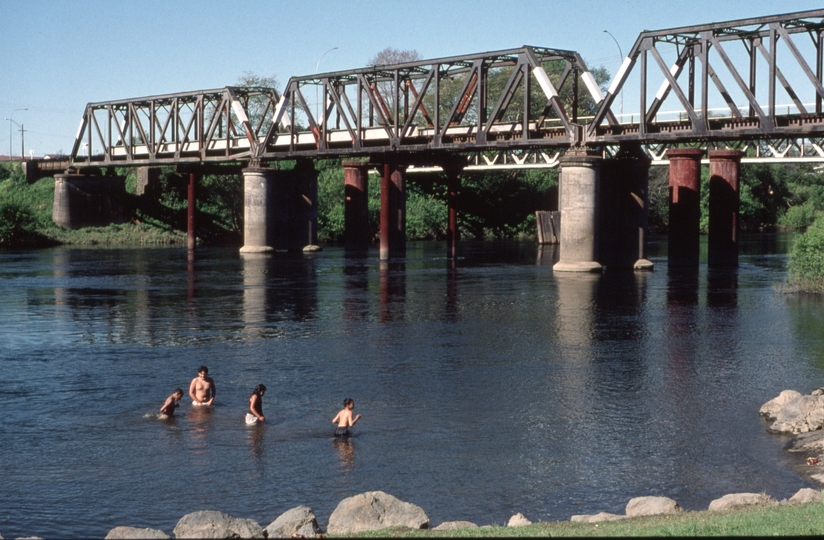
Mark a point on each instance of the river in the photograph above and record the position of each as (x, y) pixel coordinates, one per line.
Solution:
(492, 388)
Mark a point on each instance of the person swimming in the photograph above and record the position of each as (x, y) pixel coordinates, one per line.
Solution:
(255, 414)
(168, 408)
(344, 419)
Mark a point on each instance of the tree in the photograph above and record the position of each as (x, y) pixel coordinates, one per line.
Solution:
(256, 105)
(390, 56)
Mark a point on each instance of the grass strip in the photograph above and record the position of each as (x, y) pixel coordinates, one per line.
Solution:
(794, 520)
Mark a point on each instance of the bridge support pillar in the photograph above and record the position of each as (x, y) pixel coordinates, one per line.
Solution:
(393, 212)
(579, 204)
(85, 201)
(453, 178)
(684, 206)
(356, 205)
(625, 209)
(258, 226)
(295, 207)
(722, 248)
(303, 236)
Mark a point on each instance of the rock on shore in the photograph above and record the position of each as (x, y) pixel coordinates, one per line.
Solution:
(373, 511)
(794, 413)
(737, 500)
(213, 524)
(300, 520)
(455, 525)
(651, 506)
(133, 533)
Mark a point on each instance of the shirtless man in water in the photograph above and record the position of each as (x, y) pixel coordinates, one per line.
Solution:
(203, 389)
(344, 419)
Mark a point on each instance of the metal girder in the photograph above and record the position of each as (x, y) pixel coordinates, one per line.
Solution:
(772, 42)
(219, 125)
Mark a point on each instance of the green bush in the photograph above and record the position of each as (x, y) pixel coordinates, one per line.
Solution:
(17, 225)
(806, 265)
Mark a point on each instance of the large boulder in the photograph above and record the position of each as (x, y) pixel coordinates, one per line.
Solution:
(455, 525)
(292, 521)
(770, 409)
(597, 518)
(373, 511)
(805, 496)
(737, 500)
(213, 524)
(135, 533)
(651, 506)
(797, 414)
(518, 520)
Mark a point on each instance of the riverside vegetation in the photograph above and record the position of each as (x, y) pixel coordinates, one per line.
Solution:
(490, 205)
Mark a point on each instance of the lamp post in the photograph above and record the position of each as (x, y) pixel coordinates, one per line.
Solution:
(622, 59)
(317, 67)
(10, 123)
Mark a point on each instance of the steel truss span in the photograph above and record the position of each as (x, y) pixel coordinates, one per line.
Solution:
(531, 101)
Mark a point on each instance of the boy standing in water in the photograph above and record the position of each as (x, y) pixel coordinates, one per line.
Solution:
(203, 389)
(255, 414)
(168, 408)
(344, 419)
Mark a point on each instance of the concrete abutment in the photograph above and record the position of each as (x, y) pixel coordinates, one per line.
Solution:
(88, 200)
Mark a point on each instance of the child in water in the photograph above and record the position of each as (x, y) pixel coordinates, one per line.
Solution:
(168, 408)
(344, 419)
(255, 414)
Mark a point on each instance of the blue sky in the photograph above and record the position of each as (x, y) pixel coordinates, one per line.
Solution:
(56, 56)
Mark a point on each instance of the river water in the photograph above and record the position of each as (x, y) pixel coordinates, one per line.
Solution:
(493, 388)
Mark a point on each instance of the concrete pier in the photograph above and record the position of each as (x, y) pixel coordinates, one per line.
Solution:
(87, 201)
(722, 241)
(578, 202)
(393, 212)
(295, 207)
(258, 226)
(625, 209)
(684, 206)
(356, 205)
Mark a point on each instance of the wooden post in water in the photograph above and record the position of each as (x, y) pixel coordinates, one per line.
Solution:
(190, 221)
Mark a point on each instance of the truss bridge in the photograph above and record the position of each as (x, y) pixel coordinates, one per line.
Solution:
(749, 89)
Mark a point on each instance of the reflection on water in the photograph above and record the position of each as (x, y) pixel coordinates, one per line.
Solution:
(489, 385)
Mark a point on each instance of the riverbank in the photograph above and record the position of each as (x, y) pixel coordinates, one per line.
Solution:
(796, 517)
(784, 520)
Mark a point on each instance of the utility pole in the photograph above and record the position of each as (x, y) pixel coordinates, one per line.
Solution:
(22, 143)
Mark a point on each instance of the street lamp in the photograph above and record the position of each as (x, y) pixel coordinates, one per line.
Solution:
(622, 59)
(317, 67)
(10, 123)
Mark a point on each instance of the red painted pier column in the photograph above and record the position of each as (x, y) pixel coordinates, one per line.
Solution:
(356, 205)
(684, 206)
(722, 241)
(190, 214)
(393, 212)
